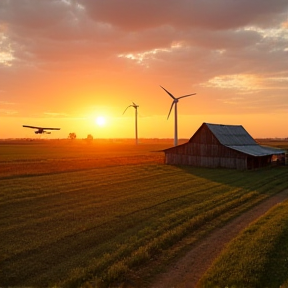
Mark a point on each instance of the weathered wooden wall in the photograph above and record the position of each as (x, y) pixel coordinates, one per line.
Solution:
(206, 161)
(204, 150)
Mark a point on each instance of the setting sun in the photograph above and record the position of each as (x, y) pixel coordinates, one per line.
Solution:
(100, 121)
(90, 86)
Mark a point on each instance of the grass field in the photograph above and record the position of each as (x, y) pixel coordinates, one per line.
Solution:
(73, 212)
(258, 257)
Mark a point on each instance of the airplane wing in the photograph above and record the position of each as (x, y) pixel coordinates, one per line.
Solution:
(40, 128)
(33, 127)
(51, 128)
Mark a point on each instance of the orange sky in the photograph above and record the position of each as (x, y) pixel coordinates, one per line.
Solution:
(64, 63)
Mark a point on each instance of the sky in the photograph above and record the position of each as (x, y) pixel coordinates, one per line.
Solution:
(64, 63)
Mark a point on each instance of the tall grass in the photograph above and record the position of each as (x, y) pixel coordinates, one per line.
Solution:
(256, 258)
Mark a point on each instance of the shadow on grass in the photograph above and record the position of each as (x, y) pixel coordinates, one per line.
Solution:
(269, 180)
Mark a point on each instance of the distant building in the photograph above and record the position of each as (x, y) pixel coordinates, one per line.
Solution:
(227, 146)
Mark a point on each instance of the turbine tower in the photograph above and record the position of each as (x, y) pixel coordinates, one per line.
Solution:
(175, 101)
(136, 124)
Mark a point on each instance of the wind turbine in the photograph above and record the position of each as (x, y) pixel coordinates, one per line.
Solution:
(175, 101)
(136, 125)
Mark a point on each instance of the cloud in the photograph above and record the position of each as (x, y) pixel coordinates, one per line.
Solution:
(245, 83)
(44, 30)
(137, 15)
(8, 112)
(82, 47)
(7, 108)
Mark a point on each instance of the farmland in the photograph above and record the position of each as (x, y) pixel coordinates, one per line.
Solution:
(258, 257)
(102, 213)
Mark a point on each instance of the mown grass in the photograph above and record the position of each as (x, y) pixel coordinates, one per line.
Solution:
(256, 258)
(79, 220)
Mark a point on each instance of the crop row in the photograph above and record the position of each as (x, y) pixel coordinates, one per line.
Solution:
(258, 257)
(105, 222)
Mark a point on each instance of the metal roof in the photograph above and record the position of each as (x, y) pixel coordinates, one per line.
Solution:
(257, 150)
(237, 138)
(231, 134)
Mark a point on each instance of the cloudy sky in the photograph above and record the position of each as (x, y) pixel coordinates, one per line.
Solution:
(63, 63)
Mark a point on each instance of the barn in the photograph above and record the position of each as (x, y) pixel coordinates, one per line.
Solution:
(227, 146)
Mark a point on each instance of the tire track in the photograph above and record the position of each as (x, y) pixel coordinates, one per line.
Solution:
(187, 271)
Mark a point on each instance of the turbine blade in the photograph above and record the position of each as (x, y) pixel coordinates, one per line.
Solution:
(168, 92)
(127, 108)
(186, 95)
(170, 109)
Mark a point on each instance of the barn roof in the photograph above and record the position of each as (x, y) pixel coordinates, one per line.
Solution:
(237, 138)
(257, 150)
(231, 134)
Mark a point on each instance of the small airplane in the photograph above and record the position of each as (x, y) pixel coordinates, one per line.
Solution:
(41, 130)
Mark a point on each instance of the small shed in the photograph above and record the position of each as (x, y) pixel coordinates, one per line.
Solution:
(227, 146)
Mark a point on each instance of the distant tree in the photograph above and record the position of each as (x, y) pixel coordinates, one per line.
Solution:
(72, 136)
(89, 138)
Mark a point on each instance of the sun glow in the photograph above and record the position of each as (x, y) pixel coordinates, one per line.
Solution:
(100, 121)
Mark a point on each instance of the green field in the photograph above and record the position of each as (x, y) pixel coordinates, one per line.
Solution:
(258, 257)
(102, 213)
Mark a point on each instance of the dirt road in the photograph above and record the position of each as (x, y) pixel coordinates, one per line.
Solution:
(188, 270)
